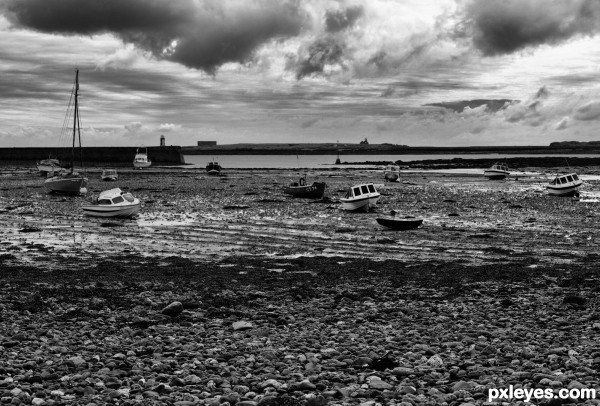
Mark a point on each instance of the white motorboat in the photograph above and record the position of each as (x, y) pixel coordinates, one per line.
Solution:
(360, 197)
(497, 171)
(391, 173)
(564, 185)
(113, 203)
(68, 181)
(49, 165)
(141, 159)
(109, 175)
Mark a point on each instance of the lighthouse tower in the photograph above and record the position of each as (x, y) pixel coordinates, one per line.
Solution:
(162, 140)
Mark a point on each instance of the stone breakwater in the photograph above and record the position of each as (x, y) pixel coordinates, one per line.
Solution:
(226, 291)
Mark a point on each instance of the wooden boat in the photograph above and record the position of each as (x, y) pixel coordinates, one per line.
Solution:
(141, 159)
(360, 197)
(109, 175)
(315, 190)
(213, 168)
(68, 181)
(400, 224)
(497, 171)
(391, 173)
(113, 203)
(564, 185)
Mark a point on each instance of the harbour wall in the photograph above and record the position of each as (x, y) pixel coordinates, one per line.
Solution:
(171, 155)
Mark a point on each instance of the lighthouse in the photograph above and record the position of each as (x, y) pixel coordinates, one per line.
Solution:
(162, 140)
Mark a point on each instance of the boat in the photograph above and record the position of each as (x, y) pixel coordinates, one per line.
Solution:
(67, 181)
(315, 190)
(49, 165)
(564, 185)
(391, 173)
(400, 224)
(141, 159)
(113, 203)
(109, 175)
(497, 171)
(213, 168)
(360, 197)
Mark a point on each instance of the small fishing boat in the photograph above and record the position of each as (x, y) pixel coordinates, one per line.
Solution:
(49, 165)
(391, 173)
(497, 171)
(213, 168)
(109, 175)
(400, 224)
(315, 190)
(564, 185)
(113, 203)
(141, 159)
(360, 197)
(67, 181)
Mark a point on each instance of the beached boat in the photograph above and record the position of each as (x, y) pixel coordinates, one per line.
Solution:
(141, 159)
(497, 171)
(213, 168)
(400, 224)
(109, 175)
(360, 197)
(49, 165)
(564, 185)
(391, 173)
(68, 181)
(113, 203)
(315, 190)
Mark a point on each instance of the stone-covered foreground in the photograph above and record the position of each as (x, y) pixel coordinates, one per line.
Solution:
(308, 331)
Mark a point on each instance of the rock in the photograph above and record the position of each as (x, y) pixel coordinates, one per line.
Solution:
(241, 325)
(577, 300)
(173, 310)
(403, 371)
(379, 384)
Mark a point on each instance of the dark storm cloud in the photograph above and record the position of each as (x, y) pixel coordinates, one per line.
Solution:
(505, 26)
(201, 35)
(324, 51)
(339, 20)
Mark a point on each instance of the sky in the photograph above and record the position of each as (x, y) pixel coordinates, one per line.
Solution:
(301, 71)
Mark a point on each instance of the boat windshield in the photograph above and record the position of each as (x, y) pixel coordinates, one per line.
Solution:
(128, 196)
(570, 178)
(575, 176)
(372, 189)
(364, 189)
(104, 201)
(357, 191)
(117, 199)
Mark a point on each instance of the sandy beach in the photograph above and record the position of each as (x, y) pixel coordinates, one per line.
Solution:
(226, 290)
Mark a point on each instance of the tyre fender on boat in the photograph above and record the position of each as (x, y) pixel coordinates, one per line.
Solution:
(302, 182)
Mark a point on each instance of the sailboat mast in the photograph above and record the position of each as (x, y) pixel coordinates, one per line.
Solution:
(75, 118)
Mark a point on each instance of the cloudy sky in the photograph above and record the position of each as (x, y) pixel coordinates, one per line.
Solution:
(302, 71)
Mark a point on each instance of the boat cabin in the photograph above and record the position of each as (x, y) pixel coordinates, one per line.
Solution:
(114, 196)
(499, 167)
(360, 190)
(565, 179)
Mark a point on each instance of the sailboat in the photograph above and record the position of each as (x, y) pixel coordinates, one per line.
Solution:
(68, 181)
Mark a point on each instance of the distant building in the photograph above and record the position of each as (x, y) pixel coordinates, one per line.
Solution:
(206, 143)
(365, 142)
(162, 140)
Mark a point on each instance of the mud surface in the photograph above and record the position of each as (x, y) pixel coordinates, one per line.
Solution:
(293, 301)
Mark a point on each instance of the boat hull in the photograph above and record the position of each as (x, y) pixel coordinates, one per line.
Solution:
(213, 172)
(391, 176)
(400, 224)
(95, 210)
(495, 175)
(110, 178)
(356, 204)
(314, 191)
(141, 164)
(67, 185)
(565, 191)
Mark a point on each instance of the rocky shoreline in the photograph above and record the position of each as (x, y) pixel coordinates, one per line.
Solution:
(225, 291)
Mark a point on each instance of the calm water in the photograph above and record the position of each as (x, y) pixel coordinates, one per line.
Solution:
(328, 161)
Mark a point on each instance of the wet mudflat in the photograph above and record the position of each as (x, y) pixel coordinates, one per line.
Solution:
(278, 300)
